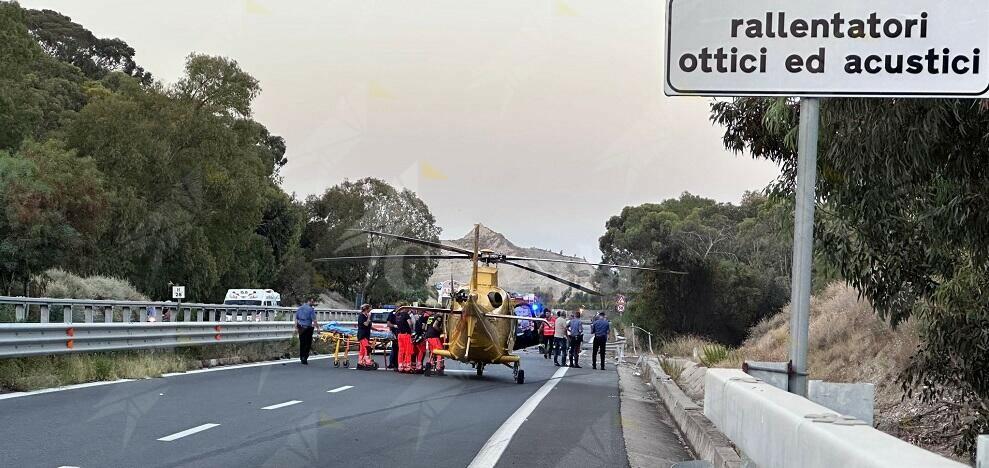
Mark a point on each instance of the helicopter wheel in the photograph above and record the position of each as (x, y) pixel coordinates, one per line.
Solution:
(336, 363)
(427, 370)
(520, 377)
(480, 369)
(515, 370)
(346, 364)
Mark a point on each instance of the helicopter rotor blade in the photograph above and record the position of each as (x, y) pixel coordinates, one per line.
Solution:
(413, 240)
(553, 277)
(609, 265)
(403, 257)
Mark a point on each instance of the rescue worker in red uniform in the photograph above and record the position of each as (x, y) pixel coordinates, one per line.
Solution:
(364, 359)
(419, 342)
(549, 329)
(434, 340)
(403, 322)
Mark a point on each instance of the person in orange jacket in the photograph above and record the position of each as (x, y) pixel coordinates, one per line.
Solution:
(434, 340)
(403, 322)
(549, 328)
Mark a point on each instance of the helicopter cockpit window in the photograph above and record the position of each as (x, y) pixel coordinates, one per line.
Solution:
(494, 297)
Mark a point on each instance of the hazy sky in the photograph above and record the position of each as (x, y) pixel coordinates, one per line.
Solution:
(540, 119)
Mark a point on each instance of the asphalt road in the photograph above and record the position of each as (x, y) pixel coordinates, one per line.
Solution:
(249, 417)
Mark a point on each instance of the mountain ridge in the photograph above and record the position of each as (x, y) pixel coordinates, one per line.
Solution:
(511, 278)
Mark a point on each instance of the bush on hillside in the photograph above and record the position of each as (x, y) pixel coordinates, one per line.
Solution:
(62, 284)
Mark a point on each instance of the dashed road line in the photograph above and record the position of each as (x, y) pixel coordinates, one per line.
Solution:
(282, 405)
(340, 389)
(187, 432)
(248, 365)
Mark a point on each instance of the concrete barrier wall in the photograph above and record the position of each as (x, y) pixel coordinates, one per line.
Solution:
(700, 434)
(772, 428)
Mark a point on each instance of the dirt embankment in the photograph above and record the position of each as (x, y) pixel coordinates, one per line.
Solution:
(849, 343)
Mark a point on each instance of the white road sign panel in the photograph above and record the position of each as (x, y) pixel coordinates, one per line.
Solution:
(178, 292)
(881, 48)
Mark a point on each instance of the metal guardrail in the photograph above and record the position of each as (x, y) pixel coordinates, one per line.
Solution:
(27, 339)
(82, 325)
(44, 309)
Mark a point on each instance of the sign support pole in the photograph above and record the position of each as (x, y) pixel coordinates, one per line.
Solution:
(803, 243)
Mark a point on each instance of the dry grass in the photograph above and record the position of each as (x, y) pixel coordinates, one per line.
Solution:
(848, 343)
(32, 373)
(685, 346)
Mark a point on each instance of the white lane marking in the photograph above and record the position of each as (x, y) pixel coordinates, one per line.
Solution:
(340, 389)
(489, 455)
(6, 396)
(179, 435)
(244, 366)
(59, 389)
(282, 405)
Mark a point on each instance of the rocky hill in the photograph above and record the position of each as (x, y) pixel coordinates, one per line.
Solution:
(509, 277)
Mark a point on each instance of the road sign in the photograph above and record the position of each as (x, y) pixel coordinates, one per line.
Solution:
(178, 292)
(620, 303)
(907, 48)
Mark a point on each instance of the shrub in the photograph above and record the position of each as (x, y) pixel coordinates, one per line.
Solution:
(62, 284)
(712, 354)
(673, 368)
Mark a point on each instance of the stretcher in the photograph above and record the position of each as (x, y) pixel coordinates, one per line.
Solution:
(344, 336)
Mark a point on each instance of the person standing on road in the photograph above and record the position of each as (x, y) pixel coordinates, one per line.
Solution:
(576, 331)
(305, 323)
(392, 361)
(364, 359)
(403, 325)
(434, 340)
(560, 339)
(599, 329)
(549, 330)
(419, 341)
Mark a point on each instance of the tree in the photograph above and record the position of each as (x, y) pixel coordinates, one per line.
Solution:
(374, 205)
(190, 188)
(729, 286)
(37, 93)
(53, 206)
(183, 184)
(218, 84)
(71, 43)
(903, 215)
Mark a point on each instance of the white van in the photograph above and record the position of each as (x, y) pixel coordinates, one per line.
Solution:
(253, 297)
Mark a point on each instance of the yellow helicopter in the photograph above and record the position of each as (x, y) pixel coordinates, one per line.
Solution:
(480, 325)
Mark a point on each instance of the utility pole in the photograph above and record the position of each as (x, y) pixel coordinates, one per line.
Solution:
(803, 243)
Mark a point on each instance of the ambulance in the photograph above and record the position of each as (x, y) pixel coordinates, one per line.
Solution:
(253, 297)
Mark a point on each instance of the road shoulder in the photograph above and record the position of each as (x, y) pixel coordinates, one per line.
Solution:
(651, 438)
